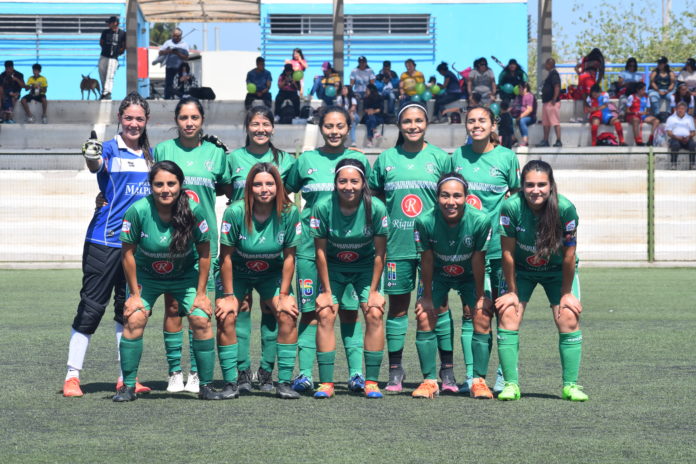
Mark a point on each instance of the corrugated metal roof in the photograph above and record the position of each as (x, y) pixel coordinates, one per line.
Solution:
(200, 10)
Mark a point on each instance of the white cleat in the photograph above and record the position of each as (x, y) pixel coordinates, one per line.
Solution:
(192, 384)
(176, 382)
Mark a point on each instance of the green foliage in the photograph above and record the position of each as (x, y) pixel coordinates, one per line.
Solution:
(161, 32)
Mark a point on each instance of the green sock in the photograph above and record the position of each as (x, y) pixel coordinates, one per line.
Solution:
(426, 345)
(481, 347)
(227, 354)
(286, 361)
(570, 346)
(352, 336)
(306, 348)
(243, 330)
(508, 352)
(204, 351)
(269, 337)
(444, 330)
(373, 362)
(467, 336)
(396, 333)
(326, 361)
(173, 342)
(194, 365)
(131, 350)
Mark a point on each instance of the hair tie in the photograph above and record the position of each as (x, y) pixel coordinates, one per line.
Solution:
(412, 105)
(447, 179)
(346, 166)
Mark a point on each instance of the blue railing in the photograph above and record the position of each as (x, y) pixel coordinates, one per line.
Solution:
(49, 50)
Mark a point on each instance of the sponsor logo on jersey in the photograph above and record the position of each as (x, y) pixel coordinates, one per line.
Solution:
(280, 238)
(126, 226)
(347, 256)
(390, 168)
(144, 235)
(570, 226)
(385, 221)
(241, 237)
(314, 222)
(298, 228)
(192, 195)
(367, 231)
(504, 220)
(226, 226)
(203, 226)
(138, 189)
(238, 169)
(411, 205)
(163, 267)
(311, 171)
(494, 171)
(430, 168)
(209, 165)
(391, 271)
(474, 201)
(306, 286)
(453, 269)
(257, 265)
(536, 261)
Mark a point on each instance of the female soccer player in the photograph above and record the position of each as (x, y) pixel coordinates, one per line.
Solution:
(205, 166)
(166, 249)
(313, 175)
(538, 228)
(121, 166)
(257, 149)
(407, 176)
(451, 238)
(258, 240)
(350, 237)
(492, 172)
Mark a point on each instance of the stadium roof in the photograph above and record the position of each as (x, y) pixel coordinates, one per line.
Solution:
(218, 11)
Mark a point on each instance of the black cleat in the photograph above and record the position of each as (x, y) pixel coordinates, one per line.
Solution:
(449, 383)
(265, 379)
(230, 391)
(206, 392)
(125, 393)
(396, 378)
(244, 381)
(284, 391)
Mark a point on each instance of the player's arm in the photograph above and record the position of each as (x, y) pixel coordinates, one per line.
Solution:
(201, 301)
(324, 299)
(228, 304)
(509, 300)
(133, 303)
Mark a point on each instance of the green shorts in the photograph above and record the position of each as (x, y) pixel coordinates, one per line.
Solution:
(551, 281)
(341, 283)
(308, 288)
(400, 276)
(183, 291)
(465, 288)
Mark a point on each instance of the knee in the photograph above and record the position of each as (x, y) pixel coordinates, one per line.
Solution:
(285, 320)
(373, 317)
(327, 316)
(199, 324)
(136, 321)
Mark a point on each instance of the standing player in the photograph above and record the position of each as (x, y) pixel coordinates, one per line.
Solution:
(451, 238)
(492, 173)
(121, 166)
(166, 249)
(259, 236)
(539, 228)
(407, 176)
(205, 168)
(313, 175)
(350, 236)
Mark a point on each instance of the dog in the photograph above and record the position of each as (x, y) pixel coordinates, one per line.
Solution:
(90, 85)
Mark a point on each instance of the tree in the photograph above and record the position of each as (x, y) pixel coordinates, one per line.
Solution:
(161, 32)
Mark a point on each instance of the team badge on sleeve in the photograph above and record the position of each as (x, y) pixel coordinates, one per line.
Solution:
(314, 223)
(385, 221)
(298, 228)
(416, 235)
(226, 226)
(570, 226)
(203, 226)
(504, 220)
(126, 226)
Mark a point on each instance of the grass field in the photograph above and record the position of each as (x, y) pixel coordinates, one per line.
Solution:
(639, 369)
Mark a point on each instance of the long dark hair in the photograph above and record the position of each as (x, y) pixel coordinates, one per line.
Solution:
(282, 201)
(631, 61)
(548, 236)
(266, 113)
(183, 219)
(333, 109)
(366, 192)
(595, 55)
(186, 101)
(689, 63)
(134, 98)
(400, 139)
(665, 61)
(495, 140)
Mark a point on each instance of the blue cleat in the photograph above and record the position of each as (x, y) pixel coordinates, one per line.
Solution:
(356, 383)
(465, 388)
(372, 391)
(302, 384)
(499, 381)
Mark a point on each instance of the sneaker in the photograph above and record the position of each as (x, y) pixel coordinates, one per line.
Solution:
(106, 96)
(356, 383)
(125, 393)
(264, 379)
(449, 383)
(244, 381)
(428, 389)
(465, 388)
(325, 390)
(302, 383)
(574, 393)
(480, 390)
(511, 392)
(139, 387)
(396, 378)
(71, 388)
(499, 381)
(44, 120)
(372, 391)
(176, 382)
(192, 383)
(558, 144)
(369, 144)
(207, 392)
(284, 391)
(543, 143)
(640, 144)
(30, 120)
(230, 391)
(9, 121)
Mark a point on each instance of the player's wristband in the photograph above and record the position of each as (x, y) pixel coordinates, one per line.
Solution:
(284, 293)
(227, 294)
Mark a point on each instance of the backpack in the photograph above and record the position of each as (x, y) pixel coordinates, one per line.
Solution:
(607, 139)
(287, 113)
(305, 112)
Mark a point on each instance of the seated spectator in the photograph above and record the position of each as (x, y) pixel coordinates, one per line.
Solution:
(523, 112)
(688, 75)
(372, 108)
(512, 74)
(328, 78)
(409, 80)
(360, 77)
(680, 131)
(588, 76)
(37, 86)
(450, 90)
(662, 84)
(348, 101)
(12, 82)
(682, 95)
(289, 90)
(551, 105)
(637, 111)
(602, 112)
(387, 83)
(262, 79)
(482, 81)
(506, 125)
(298, 63)
(184, 81)
(626, 82)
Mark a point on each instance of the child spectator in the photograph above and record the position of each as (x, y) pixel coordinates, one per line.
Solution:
(450, 92)
(506, 128)
(12, 82)
(387, 82)
(348, 101)
(626, 82)
(637, 111)
(37, 86)
(184, 81)
(602, 112)
(372, 106)
(680, 130)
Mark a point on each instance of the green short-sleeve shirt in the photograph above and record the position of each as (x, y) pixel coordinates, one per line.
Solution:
(241, 161)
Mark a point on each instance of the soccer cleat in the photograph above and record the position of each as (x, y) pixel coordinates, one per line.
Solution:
(449, 383)
(176, 382)
(428, 389)
(480, 390)
(396, 378)
(302, 383)
(192, 383)
(71, 388)
(244, 381)
(356, 383)
(284, 391)
(574, 393)
(264, 379)
(325, 390)
(511, 392)
(125, 393)
(499, 381)
(465, 387)
(139, 387)
(230, 391)
(372, 391)
(207, 392)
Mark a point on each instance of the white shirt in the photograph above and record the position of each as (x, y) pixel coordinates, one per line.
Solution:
(680, 127)
(173, 60)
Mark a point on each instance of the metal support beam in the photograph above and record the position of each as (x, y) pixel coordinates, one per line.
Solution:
(338, 31)
(132, 46)
(544, 39)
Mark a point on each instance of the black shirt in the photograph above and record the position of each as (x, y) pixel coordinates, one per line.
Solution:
(113, 44)
(10, 85)
(552, 80)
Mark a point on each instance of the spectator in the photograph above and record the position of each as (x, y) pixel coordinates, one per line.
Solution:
(37, 86)
(329, 78)
(627, 81)
(680, 131)
(360, 77)
(113, 44)
(450, 90)
(373, 105)
(298, 63)
(590, 70)
(184, 81)
(348, 101)
(551, 104)
(688, 75)
(513, 74)
(662, 83)
(12, 82)
(602, 112)
(409, 80)
(175, 52)
(288, 90)
(482, 81)
(262, 79)
(387, 83)
(506, 125)
(682, 95)
(637, 111)
(523, 111)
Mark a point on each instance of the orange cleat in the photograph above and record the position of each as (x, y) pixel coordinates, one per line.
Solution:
(325, 390)
(428, 389)
(71, 388)
(139, 387)
(480, 390)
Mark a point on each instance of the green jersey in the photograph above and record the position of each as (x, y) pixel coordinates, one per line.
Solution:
(143, 227)
(452, 246)
(517, 220)
(350, 243)
(313, 175)
(490, 175)
(409, 184)
(204, 167)
(259, 252)
(241, 161)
